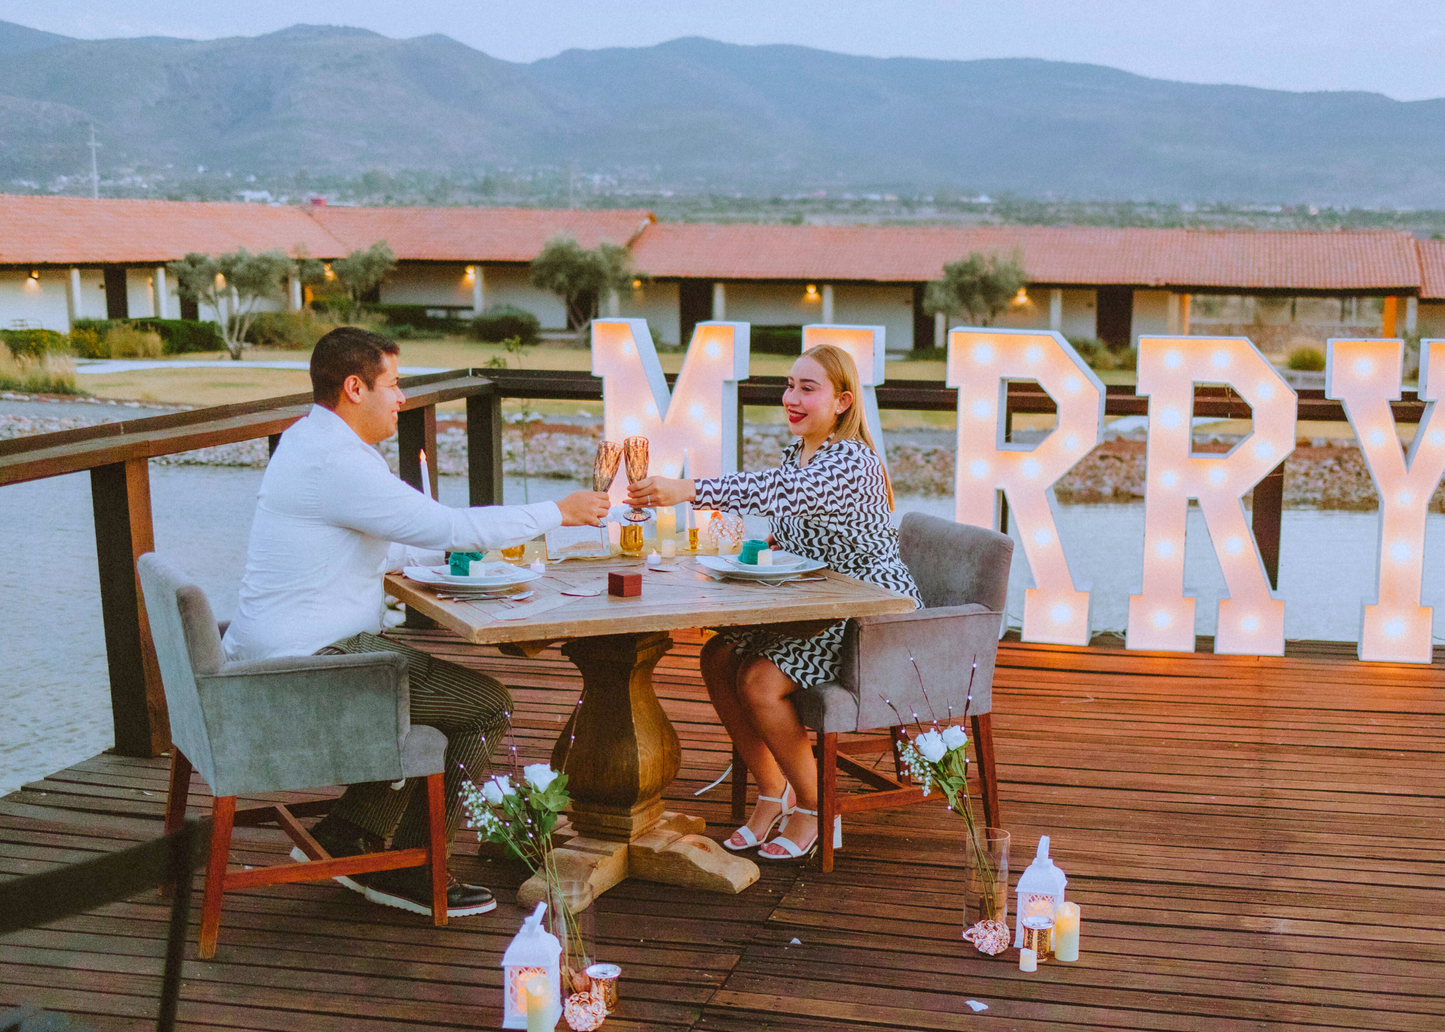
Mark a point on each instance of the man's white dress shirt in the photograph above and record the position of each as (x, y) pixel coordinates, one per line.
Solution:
(326, 519)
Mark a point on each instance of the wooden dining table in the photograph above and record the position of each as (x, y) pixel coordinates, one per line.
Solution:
(618, 749)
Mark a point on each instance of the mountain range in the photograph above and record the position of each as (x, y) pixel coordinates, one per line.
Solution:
(694, 113)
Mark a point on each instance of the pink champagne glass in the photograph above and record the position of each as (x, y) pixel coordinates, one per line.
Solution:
(604, 466)
(634, 453)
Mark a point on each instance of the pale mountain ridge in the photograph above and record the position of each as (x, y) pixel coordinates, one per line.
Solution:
(692, 112)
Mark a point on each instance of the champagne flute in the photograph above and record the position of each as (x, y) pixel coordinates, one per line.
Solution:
(604, 466)
(634, 452)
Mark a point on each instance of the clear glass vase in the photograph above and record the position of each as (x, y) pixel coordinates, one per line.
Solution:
(985, 886)
(574, 924)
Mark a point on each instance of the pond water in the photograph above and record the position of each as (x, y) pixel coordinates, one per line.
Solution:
(55, 698)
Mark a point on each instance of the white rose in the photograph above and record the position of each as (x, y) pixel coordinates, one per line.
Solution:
(954, 738)
(492, 792)
(539, 775)
(930, 744)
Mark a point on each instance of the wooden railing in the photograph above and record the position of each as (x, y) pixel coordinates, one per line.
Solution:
(117, 456)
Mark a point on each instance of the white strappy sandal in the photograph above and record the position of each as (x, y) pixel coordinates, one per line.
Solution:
(752, 841)
(792, 851)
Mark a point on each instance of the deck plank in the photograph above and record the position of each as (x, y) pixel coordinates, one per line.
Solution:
(1255, 843)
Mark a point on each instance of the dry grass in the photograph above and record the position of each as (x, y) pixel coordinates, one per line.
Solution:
(48, 374)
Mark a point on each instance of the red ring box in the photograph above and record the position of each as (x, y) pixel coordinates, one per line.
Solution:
(624, 585)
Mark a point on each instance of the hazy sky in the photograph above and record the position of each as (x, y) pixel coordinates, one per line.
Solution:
(1393, 48)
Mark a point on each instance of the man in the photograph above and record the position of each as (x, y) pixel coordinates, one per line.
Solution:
(330, 518)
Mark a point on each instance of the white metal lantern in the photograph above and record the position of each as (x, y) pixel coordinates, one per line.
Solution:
(532, 952)
(1040, 891)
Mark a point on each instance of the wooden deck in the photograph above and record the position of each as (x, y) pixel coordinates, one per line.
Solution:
(1255, 843)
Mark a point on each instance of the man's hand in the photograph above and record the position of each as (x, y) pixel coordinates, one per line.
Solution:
(654, 491)
(584, 508)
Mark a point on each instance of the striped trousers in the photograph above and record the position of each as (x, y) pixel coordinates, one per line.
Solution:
(472, 709)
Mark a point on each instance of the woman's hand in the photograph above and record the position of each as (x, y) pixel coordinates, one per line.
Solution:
(655, 491)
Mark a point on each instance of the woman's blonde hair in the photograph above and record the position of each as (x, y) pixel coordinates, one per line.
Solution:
(842, 373)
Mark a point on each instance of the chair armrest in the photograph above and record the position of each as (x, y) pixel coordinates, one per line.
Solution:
(921, 662)
(304, 721)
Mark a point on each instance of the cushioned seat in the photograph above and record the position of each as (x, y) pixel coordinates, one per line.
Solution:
(282, 725)
(921, 666)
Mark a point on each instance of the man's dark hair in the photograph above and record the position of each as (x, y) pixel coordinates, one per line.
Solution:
(347, 351)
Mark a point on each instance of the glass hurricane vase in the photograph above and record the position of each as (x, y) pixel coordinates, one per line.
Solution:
(985, 887)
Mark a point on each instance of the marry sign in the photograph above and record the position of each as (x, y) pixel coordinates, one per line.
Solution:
(694, 433)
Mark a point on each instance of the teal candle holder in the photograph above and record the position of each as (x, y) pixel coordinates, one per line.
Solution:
(750, 550)
(460, 562)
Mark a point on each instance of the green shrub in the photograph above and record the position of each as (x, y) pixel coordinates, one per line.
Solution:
(417, 318)
(87, 343)
(32, 343)
(406, 332)
(503, 322)
(1307, 359)
(184, 336)
(776, 340)
(126, 341)
(295, 330)
(1102, 357)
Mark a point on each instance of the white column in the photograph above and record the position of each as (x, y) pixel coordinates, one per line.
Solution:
(1172, 310)
(160, 292)
(295, 294)
(940, 329)
(73, 297)
(479, 291)
(614, 304)
(719, 301)
(1056, 310)
(827, 302)
(1412, 313)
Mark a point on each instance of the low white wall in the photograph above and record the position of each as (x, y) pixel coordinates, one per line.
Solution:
(1080, 313)
(428, 283)
(860, 304)
(658, 304)
(1151, 314)
(37, 303)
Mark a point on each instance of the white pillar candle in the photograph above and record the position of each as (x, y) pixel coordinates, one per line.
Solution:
(669, 548)
(1066, 932)
(1028, 960)
(667, 524)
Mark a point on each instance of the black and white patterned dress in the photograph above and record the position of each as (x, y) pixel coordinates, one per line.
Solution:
(834, 510)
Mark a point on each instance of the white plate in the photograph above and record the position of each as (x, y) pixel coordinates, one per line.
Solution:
(781, 561)
(741, 571)
(498, 575)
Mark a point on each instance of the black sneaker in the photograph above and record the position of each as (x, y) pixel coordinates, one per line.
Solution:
(340, 838)
(409, 888)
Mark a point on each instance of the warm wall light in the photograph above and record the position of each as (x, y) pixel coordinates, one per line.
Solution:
(811, 293)
(693, 429)
(865, 344)
(1251, 620)
(1022, 297)
(1365, 376)
(471, 273)
(637, 284)
(35, 275)
(980, 364)
(329, 274)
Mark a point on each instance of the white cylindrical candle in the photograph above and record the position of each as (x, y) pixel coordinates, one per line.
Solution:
(1066, 933)
(667, 524)
(1028, 960)
(614, 533)
(538, 1006)
(669, 548)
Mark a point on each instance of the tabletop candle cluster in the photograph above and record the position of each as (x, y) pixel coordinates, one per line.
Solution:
(1044, 922)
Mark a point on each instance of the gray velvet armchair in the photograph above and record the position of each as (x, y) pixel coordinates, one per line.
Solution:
(894, 667)
(281, 725)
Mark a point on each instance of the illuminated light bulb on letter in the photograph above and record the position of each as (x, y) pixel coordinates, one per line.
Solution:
(1056, 610)
(1169, 367)
(1365, 376)
(717, 358)
(1219, 359)
(1249, 624)
(1234, 545)
(1162, 619)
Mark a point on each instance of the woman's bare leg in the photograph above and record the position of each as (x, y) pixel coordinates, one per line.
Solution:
(720, 674)
(763, 692)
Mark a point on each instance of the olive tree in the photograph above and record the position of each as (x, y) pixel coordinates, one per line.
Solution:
(579, 276)
(234, 286)
(360, 271)
(979, 286)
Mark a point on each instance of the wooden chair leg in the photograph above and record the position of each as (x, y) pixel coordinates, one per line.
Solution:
(437, 848)
(827, 756)
(179, 790)
(222, 818)
(740, 786)
(987, 774)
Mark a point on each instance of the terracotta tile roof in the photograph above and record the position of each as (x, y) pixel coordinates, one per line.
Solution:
(77, 230)
(1052, 255)
(1432, 269)
(475, 234)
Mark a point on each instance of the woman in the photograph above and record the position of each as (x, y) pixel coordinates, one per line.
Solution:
(830, 500)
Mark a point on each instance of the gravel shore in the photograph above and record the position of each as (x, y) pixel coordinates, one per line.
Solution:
(1318, 475)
